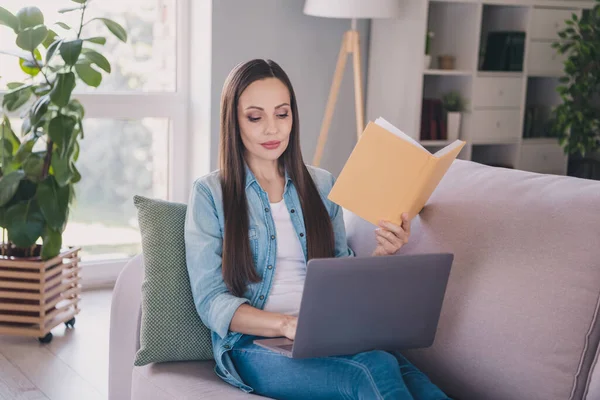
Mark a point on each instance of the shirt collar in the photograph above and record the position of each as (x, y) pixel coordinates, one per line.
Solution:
(251, 178)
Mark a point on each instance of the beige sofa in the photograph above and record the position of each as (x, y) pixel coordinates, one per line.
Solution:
(520, 319)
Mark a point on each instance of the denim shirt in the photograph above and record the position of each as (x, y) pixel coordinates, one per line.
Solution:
(204, 230)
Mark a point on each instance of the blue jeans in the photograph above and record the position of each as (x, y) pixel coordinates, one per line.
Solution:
(370, 375)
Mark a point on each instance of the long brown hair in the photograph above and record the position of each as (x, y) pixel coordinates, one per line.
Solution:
(238, 266)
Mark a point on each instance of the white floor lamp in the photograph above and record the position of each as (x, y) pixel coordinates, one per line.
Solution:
(351, 9)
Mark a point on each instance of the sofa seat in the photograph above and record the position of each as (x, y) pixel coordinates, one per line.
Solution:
(181, 381)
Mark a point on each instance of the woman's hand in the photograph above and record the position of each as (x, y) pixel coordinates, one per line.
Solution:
(288, 326)
(391, 237)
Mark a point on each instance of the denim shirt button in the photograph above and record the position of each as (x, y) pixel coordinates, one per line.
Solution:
(270, 267)
(262, 297)
(227, 347)
(292, 211)
(272, 237)
(302, 235)
(266, 209)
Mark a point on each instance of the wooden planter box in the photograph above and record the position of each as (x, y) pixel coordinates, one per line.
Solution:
(36, 296)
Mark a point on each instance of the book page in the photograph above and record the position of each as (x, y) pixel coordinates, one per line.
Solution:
(386, 125)
(449, 148)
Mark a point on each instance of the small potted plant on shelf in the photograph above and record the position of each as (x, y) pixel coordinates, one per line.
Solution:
(39, 276)
(576, 121)
(428, 37)
(454, 105)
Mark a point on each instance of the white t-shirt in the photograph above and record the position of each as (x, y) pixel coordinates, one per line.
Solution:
(290, 268)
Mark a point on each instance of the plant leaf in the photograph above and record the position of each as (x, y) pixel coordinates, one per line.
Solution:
(9, 184)
(51, 243)
(63, 25)
(14, 85)
(7, 18)
(76, 107)
(60, 131)
(29, 67)
(54, 203)
(25, 149)
(29, 17)
(50, 38)
(76, 175)
(7, 133)
(39, 108)
(16, 97)
(61, 92)
(70, 51)
(25, 223)
(52, 49)
(33, 166)
(98, 59)
(96, 40)
(88, 74)
(62, 172)
(30, 38)
(6, 150)
(115, 29)
(42, 89)
(69, 9)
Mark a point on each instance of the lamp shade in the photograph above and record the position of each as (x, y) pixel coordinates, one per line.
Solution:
(353, 8)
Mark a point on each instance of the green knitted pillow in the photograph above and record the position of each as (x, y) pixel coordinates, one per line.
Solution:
(171, 329)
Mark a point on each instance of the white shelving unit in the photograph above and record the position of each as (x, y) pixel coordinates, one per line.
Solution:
(498, 101)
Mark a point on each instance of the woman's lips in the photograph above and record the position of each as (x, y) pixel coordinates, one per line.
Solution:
(271, 145)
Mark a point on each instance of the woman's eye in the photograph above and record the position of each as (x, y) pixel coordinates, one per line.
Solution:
(253, 119)
(282, 115)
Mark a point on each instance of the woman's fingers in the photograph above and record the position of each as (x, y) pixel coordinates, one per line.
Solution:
(406, 223)
(400, 231)
(386, 245)
(399, 238)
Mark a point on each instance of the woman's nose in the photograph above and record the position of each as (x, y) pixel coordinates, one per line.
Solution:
(271, 126)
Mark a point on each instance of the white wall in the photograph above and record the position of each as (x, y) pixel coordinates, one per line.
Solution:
(306, 48)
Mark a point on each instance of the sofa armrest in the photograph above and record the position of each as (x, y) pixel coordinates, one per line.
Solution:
(124, 329)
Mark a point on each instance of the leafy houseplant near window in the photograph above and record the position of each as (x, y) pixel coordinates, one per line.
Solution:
(576, 121)
(37, 169)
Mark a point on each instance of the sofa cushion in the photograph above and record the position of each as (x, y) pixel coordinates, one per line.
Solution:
(170, 327)
(182, 381)
(519, 320)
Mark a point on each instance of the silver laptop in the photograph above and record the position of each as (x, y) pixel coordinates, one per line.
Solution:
(355, 304)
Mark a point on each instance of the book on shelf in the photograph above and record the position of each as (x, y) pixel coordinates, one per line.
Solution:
(389, 173)
(433, 120)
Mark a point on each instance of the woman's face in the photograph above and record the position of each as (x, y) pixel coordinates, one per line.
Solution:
(265, 119)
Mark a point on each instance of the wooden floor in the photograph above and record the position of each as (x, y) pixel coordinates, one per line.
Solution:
(74, 366)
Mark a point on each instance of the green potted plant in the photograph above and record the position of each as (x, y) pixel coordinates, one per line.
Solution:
(38, 166)
(428, 37)
(576, 121)
(454, 104)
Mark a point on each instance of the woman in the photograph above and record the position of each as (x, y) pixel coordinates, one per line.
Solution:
(251, 227)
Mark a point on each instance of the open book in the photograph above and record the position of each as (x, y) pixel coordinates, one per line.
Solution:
(389, 173)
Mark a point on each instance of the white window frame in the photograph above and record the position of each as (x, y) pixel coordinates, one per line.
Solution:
(183, 162)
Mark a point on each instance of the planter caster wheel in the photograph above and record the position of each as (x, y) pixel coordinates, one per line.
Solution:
(70, 323)
(46, 339)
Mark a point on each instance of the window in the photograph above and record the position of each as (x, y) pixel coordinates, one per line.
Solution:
(136, 121)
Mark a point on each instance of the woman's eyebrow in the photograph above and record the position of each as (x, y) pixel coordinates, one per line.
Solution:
(262, 109)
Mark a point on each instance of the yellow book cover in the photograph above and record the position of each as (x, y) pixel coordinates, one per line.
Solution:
(389, 173)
